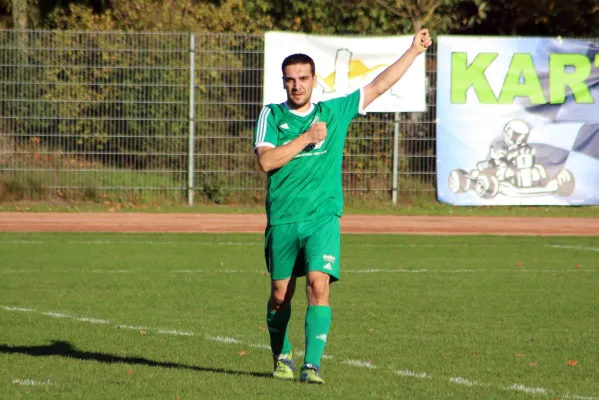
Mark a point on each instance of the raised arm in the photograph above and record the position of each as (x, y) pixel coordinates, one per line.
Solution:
(393, 73)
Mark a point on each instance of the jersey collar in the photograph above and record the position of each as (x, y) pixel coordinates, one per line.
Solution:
(298, 113)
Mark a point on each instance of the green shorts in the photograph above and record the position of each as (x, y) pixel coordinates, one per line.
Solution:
(300, 247)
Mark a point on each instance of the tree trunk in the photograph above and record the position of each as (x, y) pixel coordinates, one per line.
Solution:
(417, 24)
(19, 14)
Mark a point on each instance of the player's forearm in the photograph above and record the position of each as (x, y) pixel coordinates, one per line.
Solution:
(275, 158)
(389, 77)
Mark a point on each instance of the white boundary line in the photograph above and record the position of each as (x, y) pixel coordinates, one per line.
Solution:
(346, 271)
(30, 382)
(246, 243)
(405, 372)
(581, 248)
(461, 381)
(229, 340)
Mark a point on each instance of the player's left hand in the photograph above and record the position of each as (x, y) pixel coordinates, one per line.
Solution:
(422, 41)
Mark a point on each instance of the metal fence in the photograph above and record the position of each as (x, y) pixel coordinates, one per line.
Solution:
(129, 116)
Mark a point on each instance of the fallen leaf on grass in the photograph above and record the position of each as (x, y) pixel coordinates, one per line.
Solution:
(533, 339)
(520, 264)
(371, 330)
(475, 354)
(578, 265)
(130, 372)
(442, 355)
(142, 332)
(264, 273)
(242, 353)
(519, 355)
(572, 363)
(262, 328)
(533, 363)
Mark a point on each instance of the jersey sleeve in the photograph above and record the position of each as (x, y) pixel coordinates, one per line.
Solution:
(265, 133)
(350, 106)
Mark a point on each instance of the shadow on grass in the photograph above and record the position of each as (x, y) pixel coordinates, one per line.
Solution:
(65, 349)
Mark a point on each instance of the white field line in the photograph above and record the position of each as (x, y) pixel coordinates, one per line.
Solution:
(224, 339)
(30, 382)
(461, 381)
(174, 332)
(17, 309)
(230, 340)
(358, 363)
(132, 327)
(56, 314)
(459, 271)
(575, 396)
(93, 320)
(261, 346)
(249, 243)
(348, 271)
(405, 372)
(529, 390)
(584, 248)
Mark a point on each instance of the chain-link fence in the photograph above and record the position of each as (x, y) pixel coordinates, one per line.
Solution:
(87, 115)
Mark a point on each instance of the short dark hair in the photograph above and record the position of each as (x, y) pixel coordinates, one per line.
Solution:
(299, 58)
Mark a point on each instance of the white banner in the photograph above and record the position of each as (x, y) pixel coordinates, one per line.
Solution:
(344, 64)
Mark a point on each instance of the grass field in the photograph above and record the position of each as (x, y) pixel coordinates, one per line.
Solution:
(181, 316)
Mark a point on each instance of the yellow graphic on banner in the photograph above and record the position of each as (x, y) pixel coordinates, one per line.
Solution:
(357, 69)
(346, 70)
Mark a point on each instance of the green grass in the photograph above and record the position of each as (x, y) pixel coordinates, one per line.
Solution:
(422, 208)
(477, 308)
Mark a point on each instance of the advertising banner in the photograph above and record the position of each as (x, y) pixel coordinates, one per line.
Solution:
(517, 121)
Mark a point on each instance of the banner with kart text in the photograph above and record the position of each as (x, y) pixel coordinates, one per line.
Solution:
(345, 64)
(517, 121)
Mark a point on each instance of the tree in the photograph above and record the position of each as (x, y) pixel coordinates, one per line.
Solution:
(439, 16)
(540, 17)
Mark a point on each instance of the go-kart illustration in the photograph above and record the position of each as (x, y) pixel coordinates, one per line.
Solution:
(511, 170)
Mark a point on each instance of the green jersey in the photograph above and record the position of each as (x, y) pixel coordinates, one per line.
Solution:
(309, 186)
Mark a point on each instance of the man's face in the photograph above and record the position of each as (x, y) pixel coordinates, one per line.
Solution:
(298, 82)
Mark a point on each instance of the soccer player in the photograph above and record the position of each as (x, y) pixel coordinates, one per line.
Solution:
(300, 145)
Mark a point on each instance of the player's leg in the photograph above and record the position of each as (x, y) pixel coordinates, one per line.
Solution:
(281, 251)
(318, 324)
(279, 313)
(322, 250)
(277, 319)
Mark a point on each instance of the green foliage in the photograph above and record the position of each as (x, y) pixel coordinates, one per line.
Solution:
(540, 17)
(24, 187)
(215, 190)
(159, 16)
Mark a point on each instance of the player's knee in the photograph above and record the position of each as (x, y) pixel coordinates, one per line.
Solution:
(318, 290)
(279, 297)
(275, 303)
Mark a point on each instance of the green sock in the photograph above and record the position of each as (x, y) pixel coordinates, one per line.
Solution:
(318, 323)
(278, 324)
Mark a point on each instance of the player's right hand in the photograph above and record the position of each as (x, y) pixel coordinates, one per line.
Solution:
(317, 132)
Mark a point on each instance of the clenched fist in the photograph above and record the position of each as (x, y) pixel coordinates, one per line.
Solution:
(422, 41)
(317, 133)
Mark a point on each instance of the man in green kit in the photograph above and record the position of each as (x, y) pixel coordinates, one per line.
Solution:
(300, 145)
